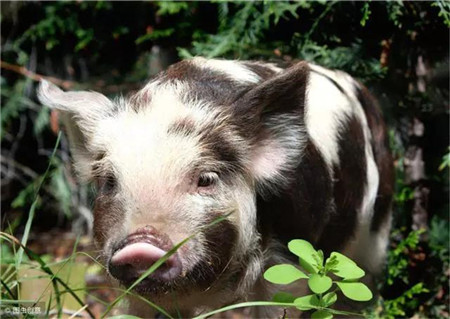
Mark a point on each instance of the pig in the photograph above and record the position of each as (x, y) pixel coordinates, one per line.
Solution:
(278, 153)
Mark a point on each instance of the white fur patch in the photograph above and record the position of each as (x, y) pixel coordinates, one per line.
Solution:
(326, 110)
(232, 69)
(268, 159)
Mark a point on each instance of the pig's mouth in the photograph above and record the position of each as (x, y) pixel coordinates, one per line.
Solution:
(138, 252)
(183, 271)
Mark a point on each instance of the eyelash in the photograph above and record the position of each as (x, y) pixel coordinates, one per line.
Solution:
(207, 180)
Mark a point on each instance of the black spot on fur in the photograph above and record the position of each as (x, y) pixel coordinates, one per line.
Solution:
(219, 147)
(350, 181)
(215, 143)
(211, 271)
(303, 208)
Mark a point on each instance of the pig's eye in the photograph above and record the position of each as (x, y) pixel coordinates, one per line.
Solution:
(207, 179)
(106, 184)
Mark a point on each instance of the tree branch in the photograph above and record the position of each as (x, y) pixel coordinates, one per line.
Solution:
(35, 76)
(66, 84)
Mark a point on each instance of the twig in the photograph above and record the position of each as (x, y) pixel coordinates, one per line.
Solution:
(26, 170)
(66, 84)
(35, 76)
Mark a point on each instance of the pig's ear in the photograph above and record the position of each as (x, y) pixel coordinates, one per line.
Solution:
(282, 93)
(84, 106)
(80, 112)
(273, 113)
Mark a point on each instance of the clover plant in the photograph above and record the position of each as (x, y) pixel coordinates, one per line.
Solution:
(317, 272)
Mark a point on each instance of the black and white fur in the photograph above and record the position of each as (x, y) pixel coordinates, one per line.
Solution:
(288, 153)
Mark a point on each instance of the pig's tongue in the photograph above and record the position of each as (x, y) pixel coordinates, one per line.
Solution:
(140, 255)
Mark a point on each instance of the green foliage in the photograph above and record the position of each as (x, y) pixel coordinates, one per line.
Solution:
(155, 35)
(445, 161)
(348, 58)
(241, 33)
(366, 13)
(60, 21)
(395, 308)
(171, 7)
(440, 237)
(444, 10)
(398, 258)
(14, 102)
(395, 11)
(58, 187)
(319, 281)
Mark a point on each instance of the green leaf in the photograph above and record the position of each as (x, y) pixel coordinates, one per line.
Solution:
(366, 13)
(171, 7)
(346, 268)
(330, 264)
(329, 299)
(319, 284)
(283, 274)
(42, 120)
(355, 291)
(307, 302)
(319, 258)
(156, 34)
(307, 254)
(321, 314)
(284, 297)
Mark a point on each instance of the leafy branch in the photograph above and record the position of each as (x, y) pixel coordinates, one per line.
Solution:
(320, 282)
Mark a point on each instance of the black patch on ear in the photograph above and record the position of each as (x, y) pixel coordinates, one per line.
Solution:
(350, 182)
(281, 94)
(383, 157)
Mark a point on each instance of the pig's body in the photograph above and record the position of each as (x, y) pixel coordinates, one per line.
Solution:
(296, 153)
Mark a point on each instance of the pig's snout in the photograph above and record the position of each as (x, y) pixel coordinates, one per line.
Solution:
(138, 252)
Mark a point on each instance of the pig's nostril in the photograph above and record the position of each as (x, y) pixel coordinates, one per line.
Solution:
(130, 262)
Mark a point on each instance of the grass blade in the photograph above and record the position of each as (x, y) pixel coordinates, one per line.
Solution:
(4, 284)
(33, 206)
(245, 304)
(33, 256)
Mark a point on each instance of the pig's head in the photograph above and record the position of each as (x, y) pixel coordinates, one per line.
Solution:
(197, 143)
